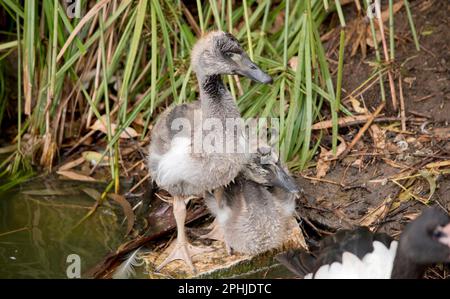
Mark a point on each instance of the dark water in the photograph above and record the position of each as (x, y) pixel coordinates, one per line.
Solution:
(37, 230)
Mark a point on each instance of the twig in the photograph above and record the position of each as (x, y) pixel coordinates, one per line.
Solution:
(368, 84)
(139, 183)
(135, 165)
(342, 185)
(402, 104)
(416, 113)
(368, 154)
(83, 139)
(318, 230)
(362, 131)
(425, 98)
(426, 156)
(321, 180)
(356, 120)
(14, 231)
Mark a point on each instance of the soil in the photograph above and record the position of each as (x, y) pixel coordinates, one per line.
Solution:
(349, 195)
(426, 81)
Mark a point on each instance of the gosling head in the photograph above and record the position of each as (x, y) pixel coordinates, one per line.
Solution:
(427, 239)
(276, 174)
(219, 53)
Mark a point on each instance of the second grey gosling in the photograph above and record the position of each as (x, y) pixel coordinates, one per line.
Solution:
(256, 214)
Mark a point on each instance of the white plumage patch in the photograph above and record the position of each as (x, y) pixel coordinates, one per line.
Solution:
(288, 205)
(176, 165)
(223, 215)
(376, 265)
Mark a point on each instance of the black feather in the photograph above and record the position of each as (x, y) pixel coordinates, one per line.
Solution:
(228, 43)
(213, 86)
(358, 241)
(297, 261)
(231, 37)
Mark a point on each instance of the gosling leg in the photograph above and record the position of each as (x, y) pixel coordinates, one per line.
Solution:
(183, 249)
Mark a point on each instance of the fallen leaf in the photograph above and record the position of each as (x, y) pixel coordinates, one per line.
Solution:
(326, 156)
(378, 136)
(431, 179)
(376, 213)
(76, 176)
(411, 140)
(342, 122)
(393, 163)
(409, 80)
(100, 125)
(322, 166)
(94, 194)
(72, 164)
(411, 216)
(95, 158)
(139, 120)
(8, 149)
(438, 164)
(408, 191)
(358, 163)
(356, 105)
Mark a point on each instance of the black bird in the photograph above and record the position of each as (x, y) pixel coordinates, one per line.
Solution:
(360, 253)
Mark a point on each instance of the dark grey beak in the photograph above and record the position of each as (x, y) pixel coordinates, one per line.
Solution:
(250, 70)
(283, 180)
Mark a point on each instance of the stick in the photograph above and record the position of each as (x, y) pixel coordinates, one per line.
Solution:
(362, 131)
(357, 120)
(402, 104)
(140, 183)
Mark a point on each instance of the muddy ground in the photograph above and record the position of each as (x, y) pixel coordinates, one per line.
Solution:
(357, 192)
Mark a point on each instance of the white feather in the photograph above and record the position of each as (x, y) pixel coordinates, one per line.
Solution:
(377, 264)
(126, 269)
(222, 214)
(176, 164)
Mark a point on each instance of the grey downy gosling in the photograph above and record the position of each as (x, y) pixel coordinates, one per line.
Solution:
(359, 253)
(174, 162)
(256, 214)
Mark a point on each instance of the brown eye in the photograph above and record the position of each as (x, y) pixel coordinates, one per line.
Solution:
(228, 54)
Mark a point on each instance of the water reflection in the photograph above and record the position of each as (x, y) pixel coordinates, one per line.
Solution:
(37, 230)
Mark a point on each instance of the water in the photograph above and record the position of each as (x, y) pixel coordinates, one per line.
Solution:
(37, 231)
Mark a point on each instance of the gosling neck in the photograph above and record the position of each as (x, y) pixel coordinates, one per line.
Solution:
(406, 268)
(216, 100)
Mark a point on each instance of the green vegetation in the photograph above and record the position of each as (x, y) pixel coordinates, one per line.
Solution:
(127, 60)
